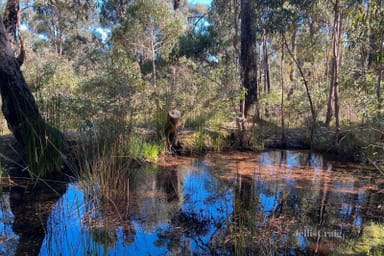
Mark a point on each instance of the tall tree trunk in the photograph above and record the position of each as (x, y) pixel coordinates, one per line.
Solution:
(267, 80)
(336, 59)
(159, 115)
(154, 79)
(282, 94)
(379, 92)
(335, 66)
(248, 56)
(327, 51)
(260, 74)
(292, 74)
(379, 81)
(328, 71)
(330, 100)
(235, 25)
(41, 143)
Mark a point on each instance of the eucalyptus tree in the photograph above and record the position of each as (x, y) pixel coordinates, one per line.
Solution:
(260, 22)
(335, 66)
(150, 30)
(12, 24)
(248, 57)
(225, 29)
(366, 34)
(223, 37)
(148, 34)
(113, 11)
(275, 19)
(42, 144)
(58, 21)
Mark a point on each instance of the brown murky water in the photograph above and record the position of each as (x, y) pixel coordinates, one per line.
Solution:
(273, 203)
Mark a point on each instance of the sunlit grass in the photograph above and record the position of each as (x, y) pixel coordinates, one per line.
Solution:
(107, 156)
(371, 241)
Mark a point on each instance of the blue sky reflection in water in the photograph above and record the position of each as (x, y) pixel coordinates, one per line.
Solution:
(69, 235)
(284, 197)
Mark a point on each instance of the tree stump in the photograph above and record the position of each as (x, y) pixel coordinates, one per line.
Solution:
(242, 136)
(171, 133)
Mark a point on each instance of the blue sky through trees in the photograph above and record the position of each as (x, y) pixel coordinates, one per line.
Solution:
(207, 2)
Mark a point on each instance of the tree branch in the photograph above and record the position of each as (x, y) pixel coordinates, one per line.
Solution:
(313, 112)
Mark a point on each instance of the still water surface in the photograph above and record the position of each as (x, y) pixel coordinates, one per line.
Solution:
(272, 203)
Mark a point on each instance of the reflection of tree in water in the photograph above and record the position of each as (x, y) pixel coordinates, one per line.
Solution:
(298, 198)
(8, 239)
(247, 234)
(168, 182)
(31, 205)
(203, 214)
(174, 241)
(153, 198)
(156, 197)
(104, 236)
(191, 223)
(104, 223)
(257, 213)
(106, 211)
(188, 227)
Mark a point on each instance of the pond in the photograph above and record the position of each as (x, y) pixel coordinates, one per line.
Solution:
(272, 203)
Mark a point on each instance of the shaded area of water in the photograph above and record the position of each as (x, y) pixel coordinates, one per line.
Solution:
(278, 202)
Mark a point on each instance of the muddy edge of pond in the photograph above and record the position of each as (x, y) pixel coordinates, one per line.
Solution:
(296, 139)
(167, 161)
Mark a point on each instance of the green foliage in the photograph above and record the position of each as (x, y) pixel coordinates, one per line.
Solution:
(217, 133)
(370, 243)
(150, 152)
(195, 45)
(43, 150)
(108, 155)
(151, 27)
(143, 149)
(199, 140)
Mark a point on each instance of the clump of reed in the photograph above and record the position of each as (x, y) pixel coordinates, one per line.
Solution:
(107, 156)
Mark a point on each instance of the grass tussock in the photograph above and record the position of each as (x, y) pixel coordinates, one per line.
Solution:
(108, 155)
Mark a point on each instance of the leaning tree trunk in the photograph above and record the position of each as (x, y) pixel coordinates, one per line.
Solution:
(305, 81)
(12, 27)
(41, 143)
